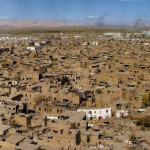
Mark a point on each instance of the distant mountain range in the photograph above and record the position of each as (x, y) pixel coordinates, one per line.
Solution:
(47, 24)
(36, 24)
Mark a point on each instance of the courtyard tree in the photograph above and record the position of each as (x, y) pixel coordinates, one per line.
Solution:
(145, 100)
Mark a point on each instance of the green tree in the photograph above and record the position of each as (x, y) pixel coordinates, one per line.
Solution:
(144, 122)
(133, 138)
(145, 100)
(65, 80)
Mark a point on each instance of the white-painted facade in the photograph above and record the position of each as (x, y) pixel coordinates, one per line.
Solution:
(146, 33)
(52, 118)
(37, 44)
(122, 113)
(98, 114)
(91, 43)
(14, 82)
(31, 48)
(113, 35)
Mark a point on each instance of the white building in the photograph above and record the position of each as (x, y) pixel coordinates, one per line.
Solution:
(115, 35)
(31, 48)
(79, 36)
(25, 38)
(109, 35)
(122, 113)
(37, 44)
(146, 33)
(98, 114)
(14, 82)
(52, 117)
(90, 43)
(94, 43)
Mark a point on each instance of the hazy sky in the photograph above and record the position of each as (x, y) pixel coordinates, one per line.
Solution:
(108, 11)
